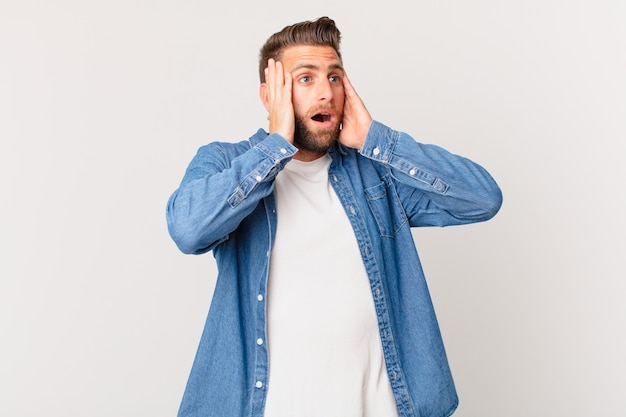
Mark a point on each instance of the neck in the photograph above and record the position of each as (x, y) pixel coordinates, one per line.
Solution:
(308, 156)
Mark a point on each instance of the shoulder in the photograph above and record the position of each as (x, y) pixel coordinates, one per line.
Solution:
(230, 150)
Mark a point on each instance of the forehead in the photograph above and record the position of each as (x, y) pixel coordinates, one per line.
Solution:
(323, 57)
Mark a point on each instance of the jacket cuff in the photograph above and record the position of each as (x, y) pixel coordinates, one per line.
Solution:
(379, 142)
(276, 147)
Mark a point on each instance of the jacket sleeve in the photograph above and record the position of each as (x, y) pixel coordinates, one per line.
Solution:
(436, 188)
(222, 186)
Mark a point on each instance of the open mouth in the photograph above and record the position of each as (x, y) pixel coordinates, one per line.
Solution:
(321, 117)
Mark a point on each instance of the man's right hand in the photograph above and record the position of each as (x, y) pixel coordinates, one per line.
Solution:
(279, 104)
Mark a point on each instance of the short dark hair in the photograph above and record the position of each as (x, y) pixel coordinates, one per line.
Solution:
(322, 32)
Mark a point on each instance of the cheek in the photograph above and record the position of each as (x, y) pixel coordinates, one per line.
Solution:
(340, 97)
(298, 108)
(299, 102)
(339, 105)
(340, 101)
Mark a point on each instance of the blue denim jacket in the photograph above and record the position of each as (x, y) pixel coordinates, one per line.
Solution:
(391, 184)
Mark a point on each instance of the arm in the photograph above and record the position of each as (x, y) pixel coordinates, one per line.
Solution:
(222, 185)
(436, 188)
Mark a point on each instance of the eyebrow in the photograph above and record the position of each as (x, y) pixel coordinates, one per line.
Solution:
(315, 67)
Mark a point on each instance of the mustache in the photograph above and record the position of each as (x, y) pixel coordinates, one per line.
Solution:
(326, 108)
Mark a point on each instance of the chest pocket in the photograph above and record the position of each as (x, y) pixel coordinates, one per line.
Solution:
(386, 208)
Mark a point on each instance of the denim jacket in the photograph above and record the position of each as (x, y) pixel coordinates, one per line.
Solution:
(391, 184)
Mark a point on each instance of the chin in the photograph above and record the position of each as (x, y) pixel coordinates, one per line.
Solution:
(314, 139)
(314, 145)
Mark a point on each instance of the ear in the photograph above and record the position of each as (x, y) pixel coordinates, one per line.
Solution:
(264, 97)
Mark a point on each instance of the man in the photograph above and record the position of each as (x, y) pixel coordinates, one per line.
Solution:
(320, 307)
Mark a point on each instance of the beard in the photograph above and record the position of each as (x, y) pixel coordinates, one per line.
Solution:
(315, 141)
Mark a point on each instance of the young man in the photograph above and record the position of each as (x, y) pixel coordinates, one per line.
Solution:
(320, 307)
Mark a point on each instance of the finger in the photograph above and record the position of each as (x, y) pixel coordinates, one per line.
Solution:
(280, 79)
(347, 86)
(279, 82)
(288, 85)
(268, 84)
(268, 81)
(271, 78)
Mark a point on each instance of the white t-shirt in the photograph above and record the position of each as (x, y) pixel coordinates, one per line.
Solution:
(325, 353)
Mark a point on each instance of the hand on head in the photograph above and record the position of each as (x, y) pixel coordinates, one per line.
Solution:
(277, 94)
(356, 119)
(279, 103)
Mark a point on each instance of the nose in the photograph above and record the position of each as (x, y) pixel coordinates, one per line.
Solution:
(325, 92)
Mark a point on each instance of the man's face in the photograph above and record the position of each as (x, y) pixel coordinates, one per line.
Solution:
(317, 95)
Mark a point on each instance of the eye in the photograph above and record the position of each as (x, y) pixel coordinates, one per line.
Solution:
(305, 79)
(334, 78)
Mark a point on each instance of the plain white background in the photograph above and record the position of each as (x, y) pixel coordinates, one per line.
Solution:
(103, 104)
